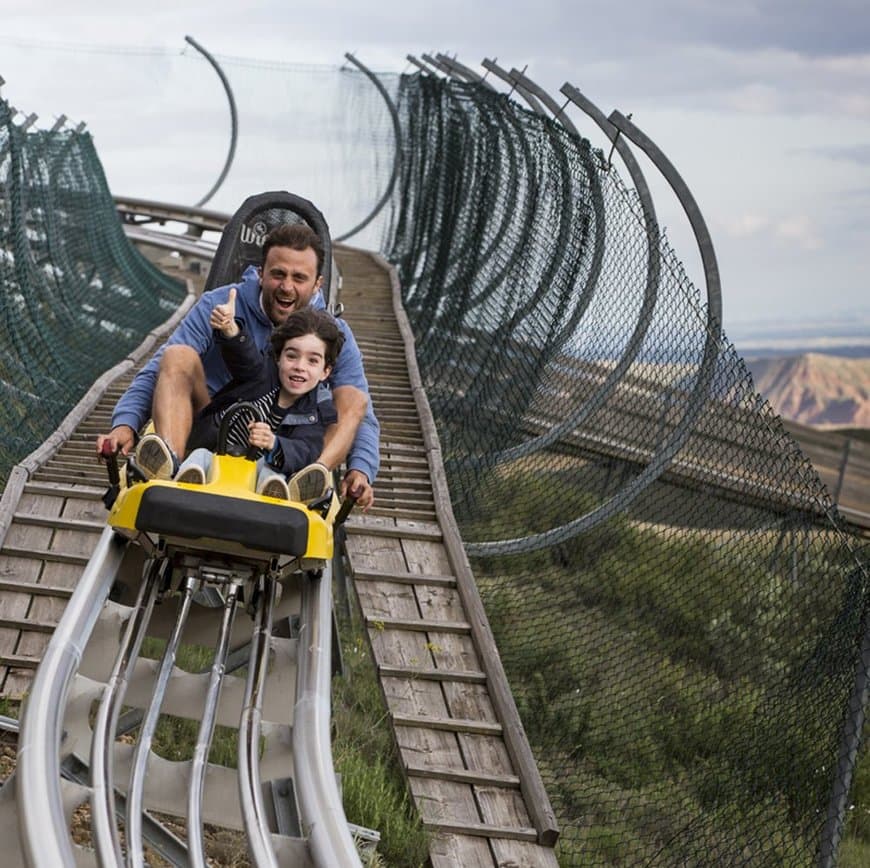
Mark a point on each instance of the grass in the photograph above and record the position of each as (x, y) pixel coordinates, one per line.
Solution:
(10, 707)
(175, 737)
(681, 687)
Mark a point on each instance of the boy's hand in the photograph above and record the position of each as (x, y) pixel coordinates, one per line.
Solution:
(223, 317)
(260, 435)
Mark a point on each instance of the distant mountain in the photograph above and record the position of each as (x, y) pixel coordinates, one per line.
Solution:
(816, 389)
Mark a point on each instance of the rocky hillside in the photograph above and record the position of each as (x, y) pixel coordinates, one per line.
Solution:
(816, 389)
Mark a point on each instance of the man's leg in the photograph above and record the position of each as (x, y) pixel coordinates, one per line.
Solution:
(179, 395)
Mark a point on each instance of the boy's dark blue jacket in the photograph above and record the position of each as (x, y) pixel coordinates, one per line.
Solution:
(300, 435)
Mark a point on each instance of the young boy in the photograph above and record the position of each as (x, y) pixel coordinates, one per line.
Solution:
(305, 347)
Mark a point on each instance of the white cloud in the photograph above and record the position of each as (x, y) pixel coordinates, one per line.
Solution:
(746, 224)
(797, 230)
(753, 98)
(800, 230)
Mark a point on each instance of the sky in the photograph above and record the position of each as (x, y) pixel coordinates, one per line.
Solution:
(763, 106)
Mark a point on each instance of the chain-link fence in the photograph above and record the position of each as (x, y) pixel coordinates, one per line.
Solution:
(679, 612)
(75, 296)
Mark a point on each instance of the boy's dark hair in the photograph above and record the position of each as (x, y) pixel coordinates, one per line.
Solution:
(310, 321)
(296, 236)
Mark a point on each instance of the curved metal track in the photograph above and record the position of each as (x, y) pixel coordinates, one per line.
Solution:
(251, 614)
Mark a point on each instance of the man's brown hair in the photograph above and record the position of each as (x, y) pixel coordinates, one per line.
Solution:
(296, 236)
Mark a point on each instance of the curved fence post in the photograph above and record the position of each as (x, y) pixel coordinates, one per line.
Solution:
(850, 743)
(440, 65)
(539, 93)
(460, 70)
(397, 162)
(234, 121)
(426, 65)
(693, 212)
(421, 67)
(695, 403)
(42, 827)
(504, 75)
(650, 293)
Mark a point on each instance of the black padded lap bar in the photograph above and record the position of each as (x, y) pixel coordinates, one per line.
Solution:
(194, 515)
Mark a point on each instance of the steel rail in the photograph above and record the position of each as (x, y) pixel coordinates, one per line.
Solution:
(320, 807)
(250, 791)
(103, 808)
(135, 790)
(154, 210)
(42, 826)
(206, 731)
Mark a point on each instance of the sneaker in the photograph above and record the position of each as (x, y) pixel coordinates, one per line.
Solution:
(155, 459)
(309, 483)
(193, 475)
(274, 486)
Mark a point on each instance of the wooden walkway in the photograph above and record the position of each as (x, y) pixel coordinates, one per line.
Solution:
(52, 533)
(462, 746)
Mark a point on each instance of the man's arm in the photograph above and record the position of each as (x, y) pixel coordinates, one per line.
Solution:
(364, 445)
(351, 404)
(361, 436)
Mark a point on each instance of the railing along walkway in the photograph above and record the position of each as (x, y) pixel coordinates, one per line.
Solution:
(462, 746)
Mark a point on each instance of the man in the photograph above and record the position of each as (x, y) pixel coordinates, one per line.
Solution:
(180, 380)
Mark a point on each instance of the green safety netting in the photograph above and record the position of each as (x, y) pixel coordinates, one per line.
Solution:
(75, 295)
(678, 609)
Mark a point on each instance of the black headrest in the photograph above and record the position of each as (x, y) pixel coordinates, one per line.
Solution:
(242, 239)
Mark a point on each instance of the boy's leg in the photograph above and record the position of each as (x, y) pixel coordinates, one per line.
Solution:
(270, 483)
(309, 483)
(194, 469)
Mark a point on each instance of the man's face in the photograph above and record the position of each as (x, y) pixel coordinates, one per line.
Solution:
(288, 280)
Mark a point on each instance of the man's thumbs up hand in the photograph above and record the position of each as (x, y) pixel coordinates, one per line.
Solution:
(223, 317)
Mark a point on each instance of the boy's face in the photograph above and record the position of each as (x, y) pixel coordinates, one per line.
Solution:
(302, 365)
